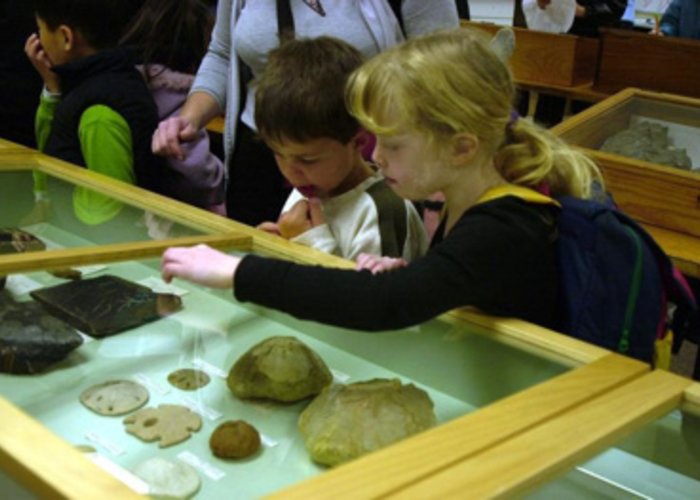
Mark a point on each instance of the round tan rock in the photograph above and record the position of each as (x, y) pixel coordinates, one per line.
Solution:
(279, 368)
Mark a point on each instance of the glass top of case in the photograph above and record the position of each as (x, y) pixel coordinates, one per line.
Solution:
(661, 460)
(644, 128)
(56, 219)
(453, 364)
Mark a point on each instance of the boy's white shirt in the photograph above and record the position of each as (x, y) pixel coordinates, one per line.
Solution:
(352, 225)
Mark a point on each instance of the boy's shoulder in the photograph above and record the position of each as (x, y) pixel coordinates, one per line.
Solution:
(105, 73)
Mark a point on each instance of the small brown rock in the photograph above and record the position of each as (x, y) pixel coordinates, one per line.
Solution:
(234, 439)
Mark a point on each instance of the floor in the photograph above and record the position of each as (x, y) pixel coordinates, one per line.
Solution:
(684, 362)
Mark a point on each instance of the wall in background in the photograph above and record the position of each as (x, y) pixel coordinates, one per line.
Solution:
(492, 11)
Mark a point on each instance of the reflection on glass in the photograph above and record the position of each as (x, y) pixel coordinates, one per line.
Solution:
(662, 460)
(54, 217)
(656, 131)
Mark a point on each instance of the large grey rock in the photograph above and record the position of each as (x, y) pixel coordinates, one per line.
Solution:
(30, 338)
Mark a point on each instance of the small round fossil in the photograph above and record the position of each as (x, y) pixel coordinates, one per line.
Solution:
(114, 397)
(234, 439)
(188, 379)
(168, 479)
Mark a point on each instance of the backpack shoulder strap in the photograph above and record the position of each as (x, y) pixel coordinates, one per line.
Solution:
(396, 8)
(527, 194)
(285, 20)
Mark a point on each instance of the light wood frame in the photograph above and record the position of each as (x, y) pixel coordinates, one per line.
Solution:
(426, 459)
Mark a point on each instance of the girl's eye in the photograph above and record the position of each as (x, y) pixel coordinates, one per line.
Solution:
(308, 161)
(389, 144)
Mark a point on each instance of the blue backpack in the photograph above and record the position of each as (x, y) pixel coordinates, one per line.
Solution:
(615, 281)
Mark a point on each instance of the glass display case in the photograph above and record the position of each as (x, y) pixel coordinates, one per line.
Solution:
(491, 380)
(660, 460)
(646, 431)
(628, 134)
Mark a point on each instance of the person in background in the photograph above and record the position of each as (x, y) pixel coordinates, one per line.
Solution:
(95, 110)
(20, 84)
(339, 204)
(627, 20)
(438, 130)
(170, 38)
(243, 35)
(681, 19)
(593, 14)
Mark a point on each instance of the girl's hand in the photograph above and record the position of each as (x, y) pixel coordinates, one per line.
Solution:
(200, 264)
(542, 4)
(41, 62)
(376, 264)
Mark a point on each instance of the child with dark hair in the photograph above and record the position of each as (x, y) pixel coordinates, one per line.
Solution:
(340, 204)
(170, 38)
(95, 110)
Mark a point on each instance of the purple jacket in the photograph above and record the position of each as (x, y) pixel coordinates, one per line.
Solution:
(200, 178)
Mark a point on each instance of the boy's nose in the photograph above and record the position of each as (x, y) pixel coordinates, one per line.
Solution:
(378, 158)
(295, 175)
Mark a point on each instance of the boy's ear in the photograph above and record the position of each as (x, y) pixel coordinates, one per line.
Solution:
(360, 140)
(67, 37)
(463, 148)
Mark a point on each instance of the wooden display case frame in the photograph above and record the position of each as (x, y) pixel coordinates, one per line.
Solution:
(530, 421)
(665, 199)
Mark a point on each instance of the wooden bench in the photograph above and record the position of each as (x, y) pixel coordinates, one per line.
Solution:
(632, 59)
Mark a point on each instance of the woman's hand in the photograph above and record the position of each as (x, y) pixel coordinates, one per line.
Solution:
(376, 264)
(41, 62)
(169, 136)
(200, 264)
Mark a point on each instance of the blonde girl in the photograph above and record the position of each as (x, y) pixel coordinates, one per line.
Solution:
(440, 106)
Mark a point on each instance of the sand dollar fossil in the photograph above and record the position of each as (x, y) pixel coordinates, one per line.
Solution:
(234, 439)
(169, 424)
(279, 368)
(188, 379)
(114, 397)
(170, 479)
